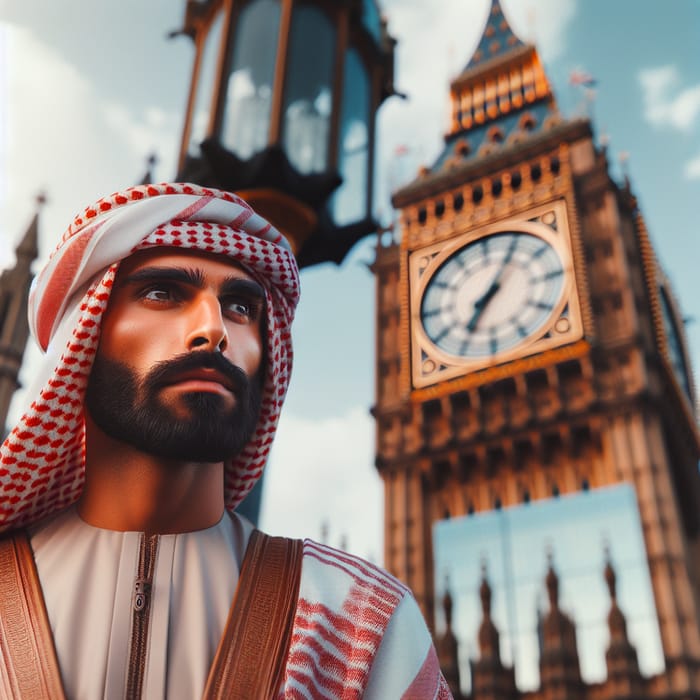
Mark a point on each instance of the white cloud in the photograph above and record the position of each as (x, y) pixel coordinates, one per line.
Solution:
(666, 103)
(61, 137)
(323, 471)
(58, 136)
(50, 111)
(692, 168)
(657, 81)
(544, 23)
(153, 132)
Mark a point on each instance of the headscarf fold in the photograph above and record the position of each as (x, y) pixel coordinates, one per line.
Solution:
(42, 461)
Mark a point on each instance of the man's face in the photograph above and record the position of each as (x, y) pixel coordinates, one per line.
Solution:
(176, 371)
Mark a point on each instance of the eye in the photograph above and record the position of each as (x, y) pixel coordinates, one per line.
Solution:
(240, 308)
(157, 295)
(160, 293)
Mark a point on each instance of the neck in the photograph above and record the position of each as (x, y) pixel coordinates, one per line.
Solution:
(128, 490)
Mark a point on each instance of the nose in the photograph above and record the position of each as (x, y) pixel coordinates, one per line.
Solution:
(207, 330)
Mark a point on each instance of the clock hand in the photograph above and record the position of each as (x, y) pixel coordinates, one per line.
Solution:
(490, 292)
(496, 284)
(481, 303)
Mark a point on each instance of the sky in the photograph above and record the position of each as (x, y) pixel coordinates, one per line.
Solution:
(88, 90)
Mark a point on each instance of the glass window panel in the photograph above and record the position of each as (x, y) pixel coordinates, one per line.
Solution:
(205, 86)
(350, 200)
(372, 19)
(246, 121)
(308, 89)
(513, 542)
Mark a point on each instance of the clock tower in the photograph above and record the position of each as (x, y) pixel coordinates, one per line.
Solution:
(528, 344)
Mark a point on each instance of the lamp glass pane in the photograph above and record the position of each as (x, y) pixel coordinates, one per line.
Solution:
(350, 202)
(308, 89)
(371, 18)
(205, 86)
(246, 119)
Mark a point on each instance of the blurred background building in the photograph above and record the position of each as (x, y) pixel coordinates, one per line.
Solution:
(529, 347)
(14, 325)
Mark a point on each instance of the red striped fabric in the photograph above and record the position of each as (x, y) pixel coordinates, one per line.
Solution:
(42, 459)
(342, 617)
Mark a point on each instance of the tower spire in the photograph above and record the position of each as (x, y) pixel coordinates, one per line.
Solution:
(491, 679)
(621, 656)
(559, 664)
(500, 100)
(498, 38)
(14, 327)
(151, 163)
(447, 645)
(489, 643)
(28, 248)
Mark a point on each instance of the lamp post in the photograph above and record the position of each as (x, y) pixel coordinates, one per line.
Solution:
(282, 110)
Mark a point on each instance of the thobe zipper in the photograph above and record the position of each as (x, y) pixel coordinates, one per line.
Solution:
(140, 616)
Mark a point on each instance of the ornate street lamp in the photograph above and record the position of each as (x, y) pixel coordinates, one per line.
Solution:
(282, 109)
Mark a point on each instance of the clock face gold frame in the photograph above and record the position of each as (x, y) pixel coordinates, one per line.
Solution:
(560, 322)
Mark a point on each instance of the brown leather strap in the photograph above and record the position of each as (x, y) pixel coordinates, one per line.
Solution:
(28, 664)
(251, 657)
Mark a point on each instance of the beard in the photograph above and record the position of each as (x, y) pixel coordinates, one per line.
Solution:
(129, 409)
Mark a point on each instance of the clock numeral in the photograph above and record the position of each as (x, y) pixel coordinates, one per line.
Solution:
(441, 284)
(493, 342)
(511, 249)
(437, 310)
(485, 245)
(516, 328)
(552, 274)
(461, 272)
(540, 304)
(440, 335)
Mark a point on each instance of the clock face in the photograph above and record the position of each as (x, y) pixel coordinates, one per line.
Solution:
(492, 294)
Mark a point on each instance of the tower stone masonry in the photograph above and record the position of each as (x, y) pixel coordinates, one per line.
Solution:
(529, 345)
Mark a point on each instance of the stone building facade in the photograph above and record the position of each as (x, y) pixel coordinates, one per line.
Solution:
(529, 346)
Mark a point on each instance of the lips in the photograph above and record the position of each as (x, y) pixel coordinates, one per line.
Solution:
(198, 372)
(203, 375)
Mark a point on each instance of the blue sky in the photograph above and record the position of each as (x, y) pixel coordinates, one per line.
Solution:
(88, 90)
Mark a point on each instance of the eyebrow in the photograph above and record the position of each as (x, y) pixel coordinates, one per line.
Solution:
(194, 277)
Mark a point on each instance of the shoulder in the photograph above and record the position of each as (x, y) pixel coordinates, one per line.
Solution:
(356, 628)
(337, 578)
(406, 665)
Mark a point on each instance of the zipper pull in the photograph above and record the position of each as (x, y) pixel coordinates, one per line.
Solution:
(142, 590)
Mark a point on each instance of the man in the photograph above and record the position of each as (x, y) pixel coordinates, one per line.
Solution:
(165, 315)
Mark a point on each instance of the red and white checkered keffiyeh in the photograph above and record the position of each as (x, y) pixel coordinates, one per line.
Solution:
(42, 460)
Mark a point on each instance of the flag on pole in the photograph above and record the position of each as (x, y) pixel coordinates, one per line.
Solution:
(582, 78)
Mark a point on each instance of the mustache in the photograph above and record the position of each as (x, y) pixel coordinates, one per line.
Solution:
(166, 371)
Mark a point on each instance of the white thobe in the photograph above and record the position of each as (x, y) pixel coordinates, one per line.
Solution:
(88, 576)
